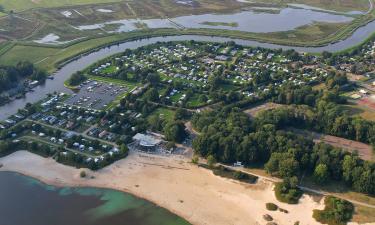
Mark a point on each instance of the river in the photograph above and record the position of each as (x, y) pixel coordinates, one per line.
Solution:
(26, 201)
(57, 84)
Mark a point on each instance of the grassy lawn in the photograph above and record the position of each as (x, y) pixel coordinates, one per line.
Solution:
(194, 102)
(130, 85)
(176, 97)
(167, 114)
(363, 215)
(109, 70)
(228, 87)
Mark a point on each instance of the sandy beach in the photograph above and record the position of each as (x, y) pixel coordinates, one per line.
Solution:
(173, 183)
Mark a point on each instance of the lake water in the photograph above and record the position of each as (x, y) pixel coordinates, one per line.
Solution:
(26, 201)
(250, 21)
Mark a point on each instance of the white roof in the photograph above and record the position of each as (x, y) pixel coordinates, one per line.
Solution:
(146, 140)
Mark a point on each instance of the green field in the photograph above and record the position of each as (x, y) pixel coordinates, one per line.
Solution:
(164, 113)
(19, 5)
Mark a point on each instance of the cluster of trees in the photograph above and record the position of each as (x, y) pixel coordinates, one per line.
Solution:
(337, 211)
(7, 147)
(10, 76)
(287, 191)
(326, 117)
(76, 78)
(229, 136)
(175, 131)
(290, 94)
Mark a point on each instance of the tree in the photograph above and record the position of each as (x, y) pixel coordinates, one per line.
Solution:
(153, 78)
(211, 161)
(152, 95)
(175, 131)
(321, 173)
(195, 159)
(181, 114)
(124, 149)
(77, 78)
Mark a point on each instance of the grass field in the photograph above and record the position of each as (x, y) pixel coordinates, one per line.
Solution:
(19, 5)
(165, 113)
(361, 111)
(339, 5)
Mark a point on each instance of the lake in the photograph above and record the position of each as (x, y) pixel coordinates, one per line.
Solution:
(26, 201)
(284, 19)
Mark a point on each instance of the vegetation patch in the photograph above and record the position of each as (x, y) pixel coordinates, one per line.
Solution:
(225, 172)
(271, 206)
(288, 192)
(233, 24)
(336, 212)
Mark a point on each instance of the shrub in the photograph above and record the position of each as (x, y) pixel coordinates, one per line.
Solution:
(211, 161)
(287, 191)
(336, 211)
(271, 206)
(195, 159)
(82, 174)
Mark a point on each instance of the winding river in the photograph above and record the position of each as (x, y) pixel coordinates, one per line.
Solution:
(57, 84)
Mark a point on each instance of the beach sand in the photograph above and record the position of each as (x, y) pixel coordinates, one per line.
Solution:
(173, 183)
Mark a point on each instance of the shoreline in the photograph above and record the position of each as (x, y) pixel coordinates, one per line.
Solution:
(193, 193)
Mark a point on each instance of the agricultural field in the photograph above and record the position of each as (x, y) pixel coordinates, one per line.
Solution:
(20, 5)
(339, 5)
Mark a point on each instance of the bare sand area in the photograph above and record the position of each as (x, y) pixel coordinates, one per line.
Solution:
(173, 183)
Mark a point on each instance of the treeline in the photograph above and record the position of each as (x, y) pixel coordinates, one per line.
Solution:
(229, 135)
(326, 117)
(334, 83)
(7, 147)
(10, 76)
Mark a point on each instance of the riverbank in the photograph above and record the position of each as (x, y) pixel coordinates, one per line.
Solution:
(52, 57)
(173, 183)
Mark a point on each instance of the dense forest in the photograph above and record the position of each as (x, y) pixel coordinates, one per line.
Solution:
(229, 135)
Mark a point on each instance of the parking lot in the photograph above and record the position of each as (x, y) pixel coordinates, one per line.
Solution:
(95, 95)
